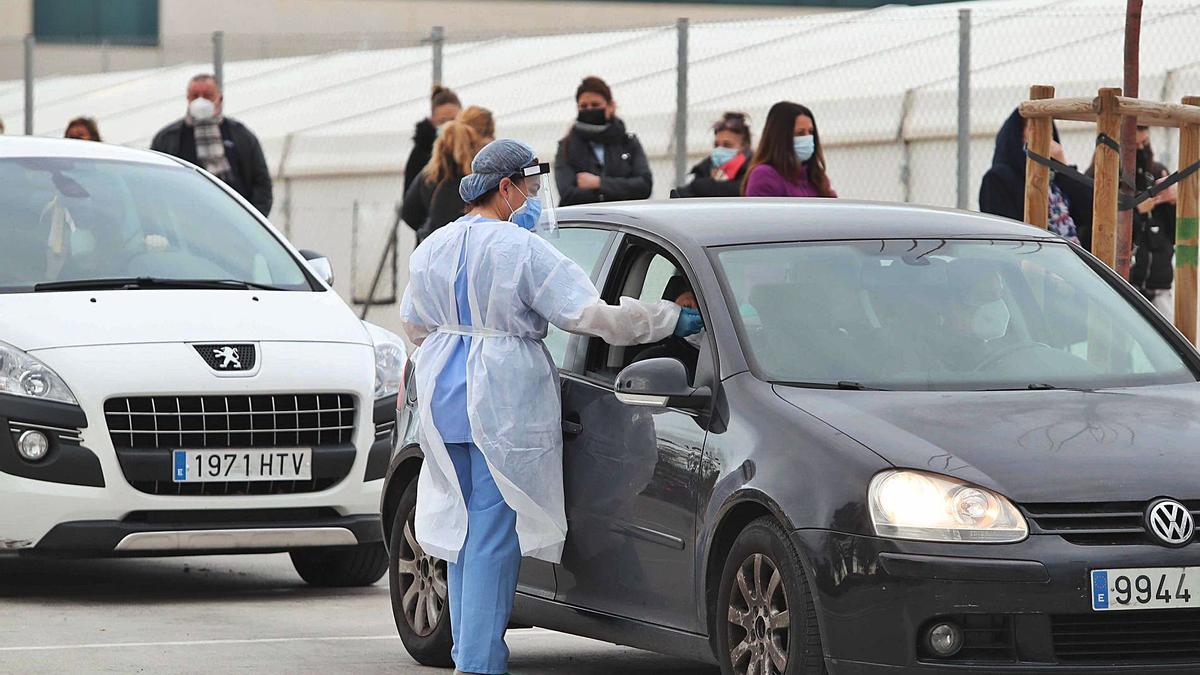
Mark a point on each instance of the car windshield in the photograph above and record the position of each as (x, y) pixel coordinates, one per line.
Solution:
(940, 315)
(72, 220)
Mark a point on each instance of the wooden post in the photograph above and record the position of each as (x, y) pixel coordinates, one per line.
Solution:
(1187, 210)
(1037, 176)
(1108, 168)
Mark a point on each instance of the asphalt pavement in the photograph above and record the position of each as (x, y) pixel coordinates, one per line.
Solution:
(239, 613)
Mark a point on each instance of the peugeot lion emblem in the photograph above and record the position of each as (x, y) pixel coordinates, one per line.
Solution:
(228, 358)
(1171, 522)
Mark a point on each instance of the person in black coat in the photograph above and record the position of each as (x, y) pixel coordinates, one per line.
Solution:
(598, 160)
(1003, 189)
(1153, 268)
(721, 173)
(227, 149)
(443, 107)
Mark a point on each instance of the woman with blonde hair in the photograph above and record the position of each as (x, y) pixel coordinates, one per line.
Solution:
(432, 200)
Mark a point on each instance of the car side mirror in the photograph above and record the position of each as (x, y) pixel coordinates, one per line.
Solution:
(319, 264)
(659, 383)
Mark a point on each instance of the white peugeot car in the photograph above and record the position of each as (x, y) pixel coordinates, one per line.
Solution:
(175, 378)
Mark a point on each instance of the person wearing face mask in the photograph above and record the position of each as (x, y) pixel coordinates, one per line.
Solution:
(686, 348)
(1153, 268)
(444, 106)
(789, 160)
(599, 161)
(221, 145)
(975, 321)
(722, 172)
(481, 293)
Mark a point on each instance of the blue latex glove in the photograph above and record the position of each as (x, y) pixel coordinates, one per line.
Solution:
(689, 322)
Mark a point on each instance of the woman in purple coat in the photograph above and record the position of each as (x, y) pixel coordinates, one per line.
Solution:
(789, 161)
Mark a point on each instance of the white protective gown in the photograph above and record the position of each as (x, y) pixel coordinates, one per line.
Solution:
(516, 283)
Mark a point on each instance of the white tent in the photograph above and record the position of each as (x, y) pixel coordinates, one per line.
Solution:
(882, 83)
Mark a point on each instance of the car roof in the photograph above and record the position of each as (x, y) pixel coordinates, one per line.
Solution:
(723, 222)
(30, 146)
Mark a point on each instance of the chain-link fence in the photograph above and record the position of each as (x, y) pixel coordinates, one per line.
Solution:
(907, 99)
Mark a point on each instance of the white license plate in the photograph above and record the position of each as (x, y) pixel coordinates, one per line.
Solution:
(1146, 588)
(205, 466)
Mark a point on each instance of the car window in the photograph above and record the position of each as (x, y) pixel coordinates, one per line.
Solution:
(657, 276)
(585, 246)
(941, 315)
(67, 219)
(650, 275)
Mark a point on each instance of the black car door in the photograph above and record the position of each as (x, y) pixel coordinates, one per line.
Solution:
(587, 247)
(630, 475)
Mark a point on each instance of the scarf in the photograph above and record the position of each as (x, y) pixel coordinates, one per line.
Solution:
(210, 147)
(1061, 222)
(607, 134)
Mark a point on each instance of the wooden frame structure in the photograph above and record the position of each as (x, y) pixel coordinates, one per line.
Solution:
(1108, 110)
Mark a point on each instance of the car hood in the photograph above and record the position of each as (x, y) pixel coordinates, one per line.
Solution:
(1033, 446)
(33, 321)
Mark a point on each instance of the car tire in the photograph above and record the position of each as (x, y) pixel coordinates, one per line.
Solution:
(360, 565)
(421, 580)
(766, 622)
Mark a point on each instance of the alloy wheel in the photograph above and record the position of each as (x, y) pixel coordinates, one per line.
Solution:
(759, 618)
(422, 584)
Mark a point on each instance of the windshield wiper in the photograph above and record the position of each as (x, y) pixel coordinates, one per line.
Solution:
(841, 384)
(149, 282)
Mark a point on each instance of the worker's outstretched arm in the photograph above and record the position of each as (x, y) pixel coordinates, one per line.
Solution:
(559, 290)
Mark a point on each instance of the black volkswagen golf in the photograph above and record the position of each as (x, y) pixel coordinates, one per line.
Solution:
(908, 440)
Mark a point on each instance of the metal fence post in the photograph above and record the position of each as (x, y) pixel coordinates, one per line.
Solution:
(681, 102)
(29, 44)
(964, 107)
(218, 41)
(438, 39)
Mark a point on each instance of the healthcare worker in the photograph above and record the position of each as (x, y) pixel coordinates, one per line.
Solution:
(480, 295)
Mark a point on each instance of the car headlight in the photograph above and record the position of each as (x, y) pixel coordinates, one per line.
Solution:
(908, 504)
(390, 356)
(23, 375)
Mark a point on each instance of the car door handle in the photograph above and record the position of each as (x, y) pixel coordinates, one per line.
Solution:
(571, 425)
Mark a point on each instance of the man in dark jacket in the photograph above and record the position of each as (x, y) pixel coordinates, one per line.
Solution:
(221, 145)
(599, 161)
(1003, 188)
(1153, 269)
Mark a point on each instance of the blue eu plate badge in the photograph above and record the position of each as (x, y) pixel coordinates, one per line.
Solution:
(180, 465)
(1100, 589)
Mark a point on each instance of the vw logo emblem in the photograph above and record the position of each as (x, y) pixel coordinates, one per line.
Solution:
(1171, 522)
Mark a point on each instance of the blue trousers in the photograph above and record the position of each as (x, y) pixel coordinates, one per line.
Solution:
(484, 580)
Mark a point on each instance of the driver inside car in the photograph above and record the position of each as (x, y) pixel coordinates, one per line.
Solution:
(977, 316)
(686, 350)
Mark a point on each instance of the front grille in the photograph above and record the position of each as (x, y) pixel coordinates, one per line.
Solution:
(1128, 637)
(987, 638)
(235, 421)
(1097, 523)
(144, 431)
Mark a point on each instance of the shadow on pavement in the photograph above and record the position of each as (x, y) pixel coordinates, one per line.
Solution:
(154, 580)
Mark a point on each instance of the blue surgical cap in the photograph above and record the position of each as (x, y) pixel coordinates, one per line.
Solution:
(497, 160)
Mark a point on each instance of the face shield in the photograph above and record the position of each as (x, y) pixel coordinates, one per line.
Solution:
(538, 212)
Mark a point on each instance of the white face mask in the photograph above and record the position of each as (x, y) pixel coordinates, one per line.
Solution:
(991, 320)
(202, 109)
(695, 339)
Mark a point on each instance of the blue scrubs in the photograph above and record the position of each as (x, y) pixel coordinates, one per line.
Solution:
(483, 581)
